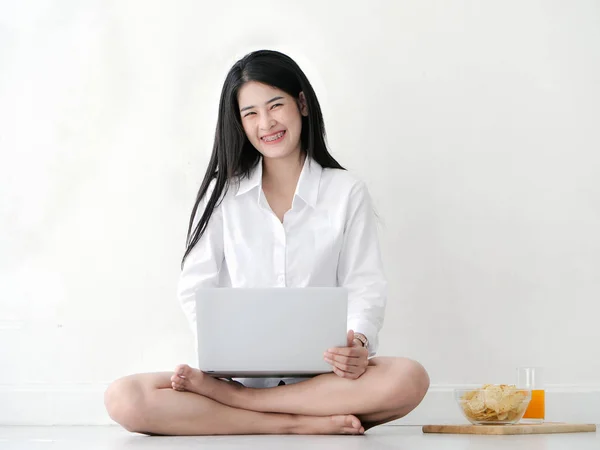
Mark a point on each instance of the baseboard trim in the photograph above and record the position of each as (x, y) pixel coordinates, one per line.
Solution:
(83, 404)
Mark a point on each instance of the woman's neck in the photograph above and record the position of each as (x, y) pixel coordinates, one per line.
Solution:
(282, 174)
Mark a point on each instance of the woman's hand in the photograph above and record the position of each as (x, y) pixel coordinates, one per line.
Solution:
(349, 362)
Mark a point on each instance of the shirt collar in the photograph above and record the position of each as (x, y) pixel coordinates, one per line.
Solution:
(308, 183)
(253, 180)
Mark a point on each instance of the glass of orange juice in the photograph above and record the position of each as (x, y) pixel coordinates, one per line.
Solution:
(532, 378)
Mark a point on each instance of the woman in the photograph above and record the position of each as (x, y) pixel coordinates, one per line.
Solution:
(276, 209)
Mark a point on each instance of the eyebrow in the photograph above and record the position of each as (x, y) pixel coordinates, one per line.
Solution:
(266, 103)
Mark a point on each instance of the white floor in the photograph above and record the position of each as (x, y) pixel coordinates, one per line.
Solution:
(380, 438)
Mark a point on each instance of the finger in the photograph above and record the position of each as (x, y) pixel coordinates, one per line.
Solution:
(360, 367)
(353, 369)
(352, 361)
(347, 375)
(343, 374)
(348, 351)
(341, 366)
(346, 367)
(343, 351)
(350, 337)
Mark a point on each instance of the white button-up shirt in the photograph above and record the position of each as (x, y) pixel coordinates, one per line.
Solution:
(328, 238)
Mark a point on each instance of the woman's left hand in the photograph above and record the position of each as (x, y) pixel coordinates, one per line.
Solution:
(349, 362)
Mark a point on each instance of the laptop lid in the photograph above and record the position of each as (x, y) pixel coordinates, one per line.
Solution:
(269, 332)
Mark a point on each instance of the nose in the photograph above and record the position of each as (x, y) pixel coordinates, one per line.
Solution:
(266, 122)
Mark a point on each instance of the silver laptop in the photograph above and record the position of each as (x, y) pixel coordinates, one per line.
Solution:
(270, 332)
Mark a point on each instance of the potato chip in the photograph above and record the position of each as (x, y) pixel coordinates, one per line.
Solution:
(494, 403)
(477, 403)
(469, 395)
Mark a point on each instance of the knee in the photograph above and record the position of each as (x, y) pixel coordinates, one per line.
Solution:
(419, 381)
(410, 383)
(124, 401)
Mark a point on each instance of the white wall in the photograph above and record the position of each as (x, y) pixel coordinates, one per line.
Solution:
(474, 123)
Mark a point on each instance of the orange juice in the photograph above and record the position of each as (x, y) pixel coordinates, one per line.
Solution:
(537, 405)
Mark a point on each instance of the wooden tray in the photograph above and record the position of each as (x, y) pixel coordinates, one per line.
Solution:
(542, 428)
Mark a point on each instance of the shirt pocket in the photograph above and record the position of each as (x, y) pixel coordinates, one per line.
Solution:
(313, 252)
(248, 247)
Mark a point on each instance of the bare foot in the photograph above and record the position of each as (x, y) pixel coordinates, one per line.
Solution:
(189, 379)
(347, 424)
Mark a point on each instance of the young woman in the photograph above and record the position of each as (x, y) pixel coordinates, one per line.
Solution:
(276, 209)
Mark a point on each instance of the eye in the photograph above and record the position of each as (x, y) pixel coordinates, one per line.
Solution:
(251, 112)
(276, 104)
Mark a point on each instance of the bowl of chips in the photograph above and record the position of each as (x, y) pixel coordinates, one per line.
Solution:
(493, 404)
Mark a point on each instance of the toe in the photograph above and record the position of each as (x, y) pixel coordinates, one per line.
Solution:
(352, 421)
(182, 370)
(178, 386)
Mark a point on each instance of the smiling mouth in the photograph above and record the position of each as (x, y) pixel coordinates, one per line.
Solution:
(273, 137)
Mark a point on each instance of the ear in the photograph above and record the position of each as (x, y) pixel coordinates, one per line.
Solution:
(302, 106)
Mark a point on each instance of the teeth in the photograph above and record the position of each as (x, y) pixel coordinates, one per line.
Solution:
(273, 138)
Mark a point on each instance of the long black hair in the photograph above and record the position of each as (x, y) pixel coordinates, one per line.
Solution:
(233, 155)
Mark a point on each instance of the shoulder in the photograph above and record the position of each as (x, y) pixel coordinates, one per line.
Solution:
(342, 183)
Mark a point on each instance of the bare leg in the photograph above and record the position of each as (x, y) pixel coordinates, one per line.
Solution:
(390, 388)
(146, 403)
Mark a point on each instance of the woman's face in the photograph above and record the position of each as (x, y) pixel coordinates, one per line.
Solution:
(272, 119)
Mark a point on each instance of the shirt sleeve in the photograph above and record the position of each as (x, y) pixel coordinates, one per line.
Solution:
(203, 264)
(360, 268)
